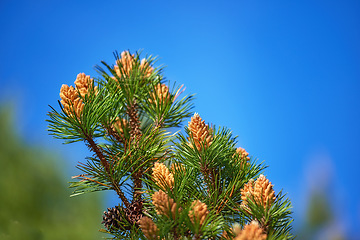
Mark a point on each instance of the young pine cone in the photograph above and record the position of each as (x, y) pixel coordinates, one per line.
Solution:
(200, 132)
(83, 83)
(261, 190)
(162, 176)
(251, 231)
(149, 228)
(71, 100)
(127, 63)
(198, 212)
(164, 205)
(243, 153)
(264, 191)
(161, 95)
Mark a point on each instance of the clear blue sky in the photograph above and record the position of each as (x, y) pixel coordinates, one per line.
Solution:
(283, 75)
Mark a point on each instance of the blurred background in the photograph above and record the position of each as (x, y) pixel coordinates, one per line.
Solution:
(283, 75)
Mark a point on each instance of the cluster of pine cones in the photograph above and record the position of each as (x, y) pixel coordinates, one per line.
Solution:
(120, 218)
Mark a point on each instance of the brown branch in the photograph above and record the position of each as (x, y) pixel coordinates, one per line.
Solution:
(135, 135)
(135, 131)
(97, 150)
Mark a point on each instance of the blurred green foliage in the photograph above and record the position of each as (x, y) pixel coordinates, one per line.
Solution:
(34, 197)
(320, 220)
(319, 212)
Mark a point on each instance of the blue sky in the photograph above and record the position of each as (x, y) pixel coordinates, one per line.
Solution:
(283, 75)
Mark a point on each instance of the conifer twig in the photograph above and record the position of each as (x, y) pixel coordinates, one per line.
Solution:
(97, 150)
(135, 134)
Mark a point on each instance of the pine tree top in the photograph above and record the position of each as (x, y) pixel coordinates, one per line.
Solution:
(194, 184)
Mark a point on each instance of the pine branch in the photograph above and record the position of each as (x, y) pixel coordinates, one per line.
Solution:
(97, 150)
(135, 135)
